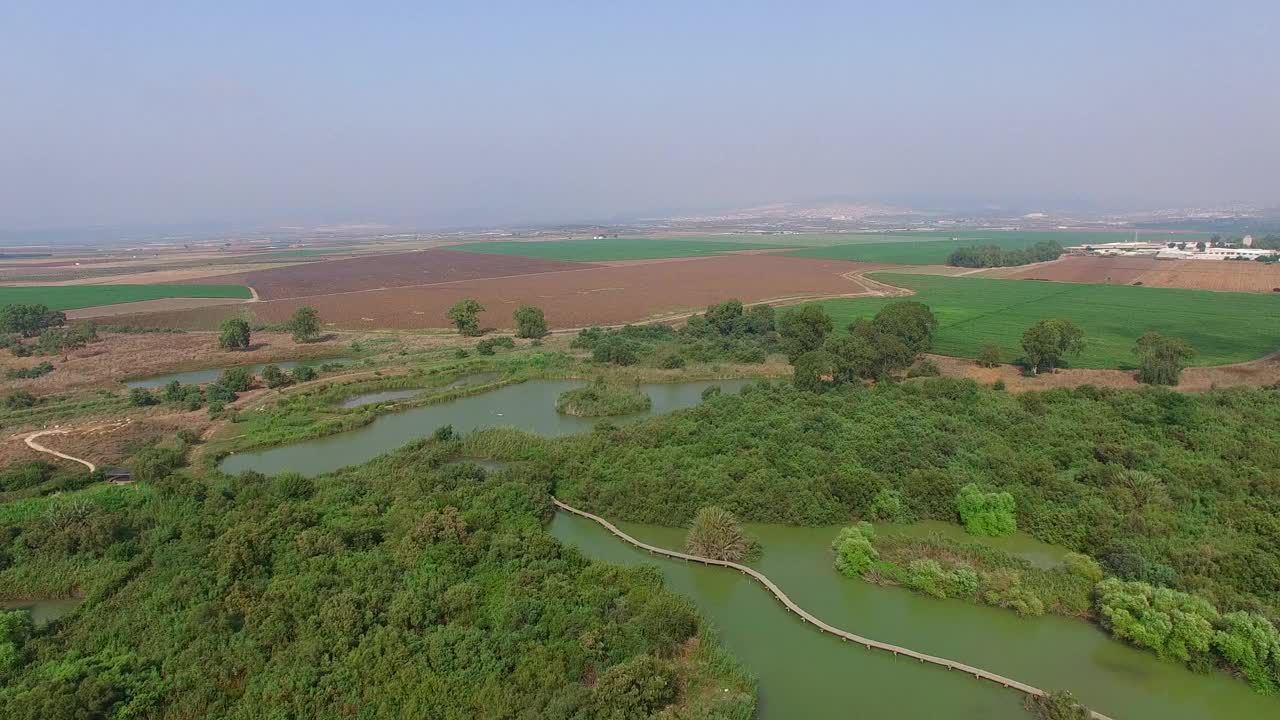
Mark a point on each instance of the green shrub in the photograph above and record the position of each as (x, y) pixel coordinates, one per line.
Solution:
(237, 379)
(142, 397)
(304, 373)
(986, 513)
(854, 550)
(36, 371)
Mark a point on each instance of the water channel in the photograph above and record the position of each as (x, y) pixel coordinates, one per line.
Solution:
(528, 405)
(804, 673)
(42, 611)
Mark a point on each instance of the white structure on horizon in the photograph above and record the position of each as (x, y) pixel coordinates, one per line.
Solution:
(1162, 251)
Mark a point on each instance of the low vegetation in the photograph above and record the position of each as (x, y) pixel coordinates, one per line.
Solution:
(606, 249)
(602, 399)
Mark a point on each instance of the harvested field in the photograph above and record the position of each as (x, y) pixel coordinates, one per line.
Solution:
(1082, 269)
(106, 311)
(1258, 373)
(388, 271)
(1214, 275)
(585, 295)
(609, 248)
(119, 356)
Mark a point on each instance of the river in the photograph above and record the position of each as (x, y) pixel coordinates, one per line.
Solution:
(807, 674)
(528, 405)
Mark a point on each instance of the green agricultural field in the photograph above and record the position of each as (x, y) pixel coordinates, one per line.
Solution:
(608, 249)
(1222, 327)
(70, 297)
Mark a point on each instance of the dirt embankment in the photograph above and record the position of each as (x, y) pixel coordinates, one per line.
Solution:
(1257, 373)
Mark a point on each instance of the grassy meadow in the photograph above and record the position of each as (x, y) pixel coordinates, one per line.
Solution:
(974, 312)
(70, 297)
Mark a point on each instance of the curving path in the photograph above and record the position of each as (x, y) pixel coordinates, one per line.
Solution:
(805, 616)
(31, 443)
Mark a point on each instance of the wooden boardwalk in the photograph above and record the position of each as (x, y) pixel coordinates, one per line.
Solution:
(805, 616)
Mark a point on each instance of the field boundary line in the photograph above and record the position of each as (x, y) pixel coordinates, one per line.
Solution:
(790, 605)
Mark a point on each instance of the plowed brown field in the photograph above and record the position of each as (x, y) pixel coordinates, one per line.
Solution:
(1084, 269)
(1214, 275)
(571, 298)
(385, 271)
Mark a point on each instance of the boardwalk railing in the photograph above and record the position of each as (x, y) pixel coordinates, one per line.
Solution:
(805, 616)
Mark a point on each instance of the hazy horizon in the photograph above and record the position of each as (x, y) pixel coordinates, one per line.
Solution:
(145, 114)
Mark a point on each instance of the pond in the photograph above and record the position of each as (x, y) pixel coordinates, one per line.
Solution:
(527, 406)
(371, 398)
(42, 611)
(199, 377)
(804, 673)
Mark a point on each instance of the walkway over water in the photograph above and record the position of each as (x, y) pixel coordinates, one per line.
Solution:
(805, 616)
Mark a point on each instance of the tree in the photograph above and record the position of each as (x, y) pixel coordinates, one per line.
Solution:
(717, 534)
(142, 397)
(531, 322)
(29, 320)
(990, 356)
(273, 377)
(304, 373)
(854, 551)
(803, 330)
(725, 316)
(1200, 246)
(1049, 342)
(305, 324)
(237, 379)
(1161, 359)
(1252, 644)
(1177, 625)
(465, 316)
(761, 319)
(813, 370)
(867, 353)
(986, 513)
(15, 628)
(234, 335)
(909, 321)
(155, 463)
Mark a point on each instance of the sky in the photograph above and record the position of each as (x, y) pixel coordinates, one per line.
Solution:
(471, 113)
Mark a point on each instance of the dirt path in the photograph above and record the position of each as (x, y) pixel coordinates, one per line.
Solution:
(30, 440)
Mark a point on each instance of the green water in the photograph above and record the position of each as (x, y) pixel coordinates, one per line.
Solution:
(371, 398)
(806, 674)
(528, 406)
(199, 377)
(42, 611)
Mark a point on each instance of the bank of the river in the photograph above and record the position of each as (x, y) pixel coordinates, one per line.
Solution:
(804, 673)
(207, 375)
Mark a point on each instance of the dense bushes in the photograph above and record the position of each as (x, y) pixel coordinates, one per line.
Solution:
(986, 513)
(35, 371)
(985, 256)
(727, 332)
(1187, 628)
(1161, 487)
(397, 588)
(600, 399)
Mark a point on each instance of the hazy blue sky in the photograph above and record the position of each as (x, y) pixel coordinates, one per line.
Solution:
(140, 112)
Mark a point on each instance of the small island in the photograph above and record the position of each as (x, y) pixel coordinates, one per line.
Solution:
(600, 399)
